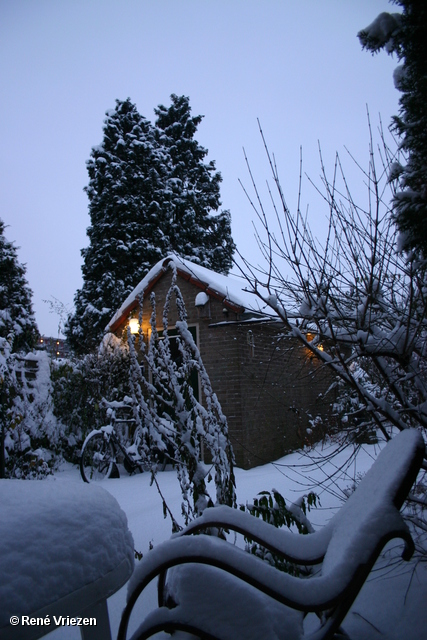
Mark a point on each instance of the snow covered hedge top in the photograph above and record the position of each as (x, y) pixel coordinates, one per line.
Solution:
(56, 539)
(231, 289)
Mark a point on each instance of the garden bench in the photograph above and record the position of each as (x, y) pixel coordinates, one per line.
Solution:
(212, 589)
(64, 549)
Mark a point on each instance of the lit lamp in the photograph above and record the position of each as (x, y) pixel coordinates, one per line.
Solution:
(134, 326)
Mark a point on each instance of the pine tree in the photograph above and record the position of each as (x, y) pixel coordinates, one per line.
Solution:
(405, 35)
(17, 322)
(127, 177)
(18, 331)
(149, 193)
(194, 231)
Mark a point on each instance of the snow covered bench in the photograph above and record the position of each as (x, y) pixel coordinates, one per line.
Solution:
(216, 590)
(64, 549)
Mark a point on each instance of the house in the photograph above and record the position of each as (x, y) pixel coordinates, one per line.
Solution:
(270, 387)
(56, 347)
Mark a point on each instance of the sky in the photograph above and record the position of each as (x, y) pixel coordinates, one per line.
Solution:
(297, 66)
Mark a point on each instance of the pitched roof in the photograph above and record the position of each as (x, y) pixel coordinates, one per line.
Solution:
(229, 289)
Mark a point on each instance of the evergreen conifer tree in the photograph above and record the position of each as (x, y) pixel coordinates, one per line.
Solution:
(195, 232)
(405, 35)
(127, 177)
(17, 322)
(150, 193)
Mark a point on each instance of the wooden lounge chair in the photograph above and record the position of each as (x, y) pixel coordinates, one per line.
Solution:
(219, 591)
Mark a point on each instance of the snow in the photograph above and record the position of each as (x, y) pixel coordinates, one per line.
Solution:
(202, 298)
(392, 602)
(77, 529)
(306, 548)
(259, 617)
(398, 75)
(395, 169)
(383, 28)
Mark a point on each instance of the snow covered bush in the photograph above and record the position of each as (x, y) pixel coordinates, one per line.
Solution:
(8, 392)
(192, 432)
(32, 435)
(356, 303)
(271, 507)
(79, 388)
(18, 333)
(48, 407)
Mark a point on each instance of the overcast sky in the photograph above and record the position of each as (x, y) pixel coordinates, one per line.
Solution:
(296, 65)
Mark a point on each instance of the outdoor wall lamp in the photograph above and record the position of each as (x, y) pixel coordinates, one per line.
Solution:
(134, 326)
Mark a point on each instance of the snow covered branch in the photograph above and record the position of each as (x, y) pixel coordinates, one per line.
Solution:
(173, 419)
(352, 300)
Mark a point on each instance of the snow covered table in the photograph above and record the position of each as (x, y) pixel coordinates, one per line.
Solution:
(64, 549)
(216, 590)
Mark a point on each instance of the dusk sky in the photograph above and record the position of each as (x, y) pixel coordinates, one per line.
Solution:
(296, 65)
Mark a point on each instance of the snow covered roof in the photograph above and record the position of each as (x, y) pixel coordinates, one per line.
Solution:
(229, 289)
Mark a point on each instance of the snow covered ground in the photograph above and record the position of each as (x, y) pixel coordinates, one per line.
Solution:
(391, 605)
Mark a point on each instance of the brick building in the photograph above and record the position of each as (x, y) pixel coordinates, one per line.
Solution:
(56, 347)
(270, 388)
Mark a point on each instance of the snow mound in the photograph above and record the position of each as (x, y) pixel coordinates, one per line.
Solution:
(56, 539)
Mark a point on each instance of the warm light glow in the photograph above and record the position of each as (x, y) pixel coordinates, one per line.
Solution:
(134, 326)
(320, 347)
(41, 339)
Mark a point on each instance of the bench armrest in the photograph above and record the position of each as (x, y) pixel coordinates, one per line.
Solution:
(301, 549)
